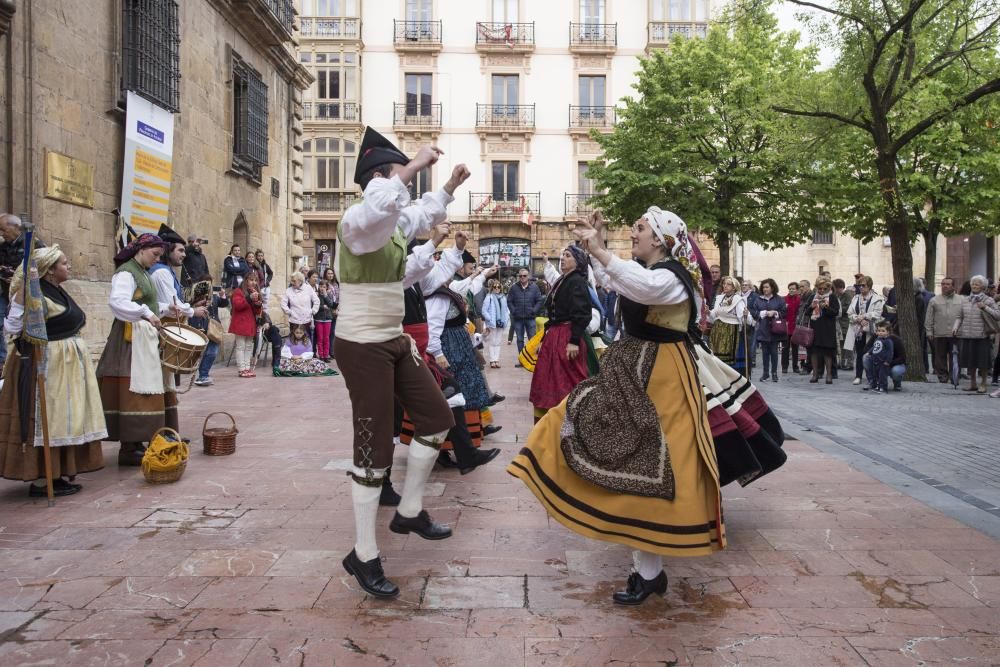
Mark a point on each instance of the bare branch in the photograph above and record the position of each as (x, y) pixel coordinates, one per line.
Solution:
(835, 12)
(825, 114)
(919, 128)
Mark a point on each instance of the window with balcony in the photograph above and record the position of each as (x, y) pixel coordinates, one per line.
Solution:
(592, 90)
(673, 17)
(592, 12)
(151, 52)
(505, 94)
(329, 7)
(586, 184)
(334, 94)
(505, 11)
(249, 119)
(328, 163)
(419, 94)
(421, 183)
(505, 180)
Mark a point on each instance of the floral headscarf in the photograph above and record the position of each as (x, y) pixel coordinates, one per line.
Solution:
(673, 234)
(141, 242)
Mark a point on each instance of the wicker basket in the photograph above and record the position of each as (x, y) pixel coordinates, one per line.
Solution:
(166, 476)
(219, 441)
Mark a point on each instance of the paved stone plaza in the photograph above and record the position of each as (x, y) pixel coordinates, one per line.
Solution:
(239, 562)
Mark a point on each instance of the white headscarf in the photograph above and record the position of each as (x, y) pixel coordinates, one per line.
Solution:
(673, 234)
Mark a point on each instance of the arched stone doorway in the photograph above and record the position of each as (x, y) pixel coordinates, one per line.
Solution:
(241, 232)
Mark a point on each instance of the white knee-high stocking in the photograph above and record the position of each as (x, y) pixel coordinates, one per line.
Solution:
(365, 512)
(419, 463)
(648, 565)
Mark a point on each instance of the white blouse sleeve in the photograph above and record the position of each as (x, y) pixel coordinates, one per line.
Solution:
(369, 225)
(165, 294)
(437, 313)
(658, 287)
(550, 272)
(419, 263)
(14, 322)
(122, 306)
(444, 269)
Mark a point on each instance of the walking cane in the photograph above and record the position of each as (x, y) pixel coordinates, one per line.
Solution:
(746, 352)
(44, 416)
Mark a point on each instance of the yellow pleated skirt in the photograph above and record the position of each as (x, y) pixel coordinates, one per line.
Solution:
(689, 525)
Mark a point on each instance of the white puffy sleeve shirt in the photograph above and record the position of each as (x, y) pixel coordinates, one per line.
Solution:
(368, 226)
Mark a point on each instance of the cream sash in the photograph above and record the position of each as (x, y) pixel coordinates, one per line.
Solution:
(146, 373)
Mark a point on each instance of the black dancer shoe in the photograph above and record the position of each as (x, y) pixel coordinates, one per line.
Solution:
(388, 496)
(130, 454)
(370, 576)
(497, 398)
(421, 525)
(60, 487)
(445, 461)
(638, 589)
(490, 430)
(481, 457)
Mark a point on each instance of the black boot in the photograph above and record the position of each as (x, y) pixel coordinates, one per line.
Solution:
(480, 457)
(370, 576)
(131, 453)
(491, 429)
(421, 525)
(468, 457)
(638, 589)
(388, 496)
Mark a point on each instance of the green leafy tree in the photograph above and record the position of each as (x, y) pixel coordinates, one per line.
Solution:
(701, 138)
(904, 68)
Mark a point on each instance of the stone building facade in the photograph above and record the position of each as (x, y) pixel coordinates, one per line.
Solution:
(65, 66)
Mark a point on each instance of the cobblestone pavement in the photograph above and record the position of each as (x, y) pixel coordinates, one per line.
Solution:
(239, 562)
(930, 440)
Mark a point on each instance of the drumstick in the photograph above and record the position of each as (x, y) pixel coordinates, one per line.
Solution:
(177, 315)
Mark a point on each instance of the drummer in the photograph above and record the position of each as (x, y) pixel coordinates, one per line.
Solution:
(132, 381)
(169, 293)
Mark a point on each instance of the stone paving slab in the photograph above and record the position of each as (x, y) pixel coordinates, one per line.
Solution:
(239, 562)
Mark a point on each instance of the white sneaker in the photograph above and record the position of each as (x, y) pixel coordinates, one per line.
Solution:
(856, 381)
(204, 382)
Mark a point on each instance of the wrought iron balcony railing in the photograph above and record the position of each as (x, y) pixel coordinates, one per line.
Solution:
(587, 117)
(593, 34)
(513, 116)
(348, 112)
(330, 27)
(578, 205)
(661, 32)
(328, 202)
(284, 11)
(508, 205)
(505, 34)
(417, 114)
(417, 32)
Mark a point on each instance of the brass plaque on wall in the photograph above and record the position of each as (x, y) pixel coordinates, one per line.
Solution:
(69, 180)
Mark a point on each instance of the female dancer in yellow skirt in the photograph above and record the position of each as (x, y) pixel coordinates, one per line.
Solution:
(628, 457)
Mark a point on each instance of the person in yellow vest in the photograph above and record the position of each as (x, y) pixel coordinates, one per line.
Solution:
(376, 359)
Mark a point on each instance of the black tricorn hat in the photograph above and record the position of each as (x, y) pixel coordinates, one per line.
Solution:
(169, 235)
(376, 150)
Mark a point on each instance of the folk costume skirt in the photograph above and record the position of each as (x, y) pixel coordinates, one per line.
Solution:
(555, 374)
(457, 347)
(73, 404)
(724, 339)
(130, 417)
(689, 525)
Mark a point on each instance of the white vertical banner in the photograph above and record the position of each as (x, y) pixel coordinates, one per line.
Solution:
(149, 149)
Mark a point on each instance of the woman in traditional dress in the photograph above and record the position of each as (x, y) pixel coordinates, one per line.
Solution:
(566, 356)
(728, 317)
(629, 456)
(133, 384)
(72, 398)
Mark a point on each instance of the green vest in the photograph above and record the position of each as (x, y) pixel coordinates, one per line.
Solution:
(145, 291)
(385, 265)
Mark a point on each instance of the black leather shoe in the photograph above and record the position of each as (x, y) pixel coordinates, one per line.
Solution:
(481, 457)
(445, 461)
(421, 525)
(130, 454)
(497, 398)
(638, 589)
(490, 430)
(370, 576)
(388, 497)
(60, 487)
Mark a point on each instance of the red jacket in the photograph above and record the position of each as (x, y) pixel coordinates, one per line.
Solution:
(792, 301)
(244, 319)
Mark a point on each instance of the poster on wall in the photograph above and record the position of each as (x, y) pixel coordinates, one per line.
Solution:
(515, 253)
(149, 149)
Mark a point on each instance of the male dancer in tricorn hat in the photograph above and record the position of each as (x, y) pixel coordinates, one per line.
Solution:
(375, 358)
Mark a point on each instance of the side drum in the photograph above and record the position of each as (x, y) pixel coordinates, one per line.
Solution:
(181, 347)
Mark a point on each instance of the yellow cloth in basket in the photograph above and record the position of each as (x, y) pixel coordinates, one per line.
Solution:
(164, 454)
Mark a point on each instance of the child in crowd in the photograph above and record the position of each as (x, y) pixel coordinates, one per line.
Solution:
(247, 304)
(880, 358)
(297, 359)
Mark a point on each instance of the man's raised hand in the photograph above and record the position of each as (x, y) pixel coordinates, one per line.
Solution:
(461, 239)
(459, 175)
(440, 232)
(427, 156)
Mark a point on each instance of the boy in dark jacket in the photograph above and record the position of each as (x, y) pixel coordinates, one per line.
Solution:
(878, 360)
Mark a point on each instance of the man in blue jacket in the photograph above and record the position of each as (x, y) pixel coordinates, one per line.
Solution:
(524, 299)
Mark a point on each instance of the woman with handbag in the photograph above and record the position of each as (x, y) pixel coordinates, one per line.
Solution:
(865, 310)
(496, 316)
(823, 322)
(728, 317)
(769, 309)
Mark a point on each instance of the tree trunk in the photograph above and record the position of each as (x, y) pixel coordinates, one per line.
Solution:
(898, 227)
(930, 236)
(723, 240)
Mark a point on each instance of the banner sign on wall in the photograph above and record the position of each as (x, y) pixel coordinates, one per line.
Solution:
(149, 149)
(505, 252)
